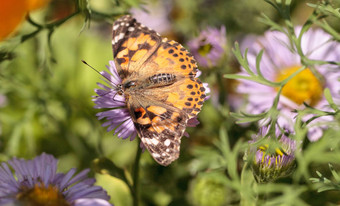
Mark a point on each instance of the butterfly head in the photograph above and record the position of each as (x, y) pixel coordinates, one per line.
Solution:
(121, 88)
(128, 85)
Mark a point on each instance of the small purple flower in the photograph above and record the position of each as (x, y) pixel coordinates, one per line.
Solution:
(274, 158)
(118, 117)
(209, 47)
(155, 15)
(36, 182)
(279, 61)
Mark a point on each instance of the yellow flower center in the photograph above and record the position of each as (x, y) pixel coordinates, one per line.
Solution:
(304, 87)
(204, 49)
(277, 153)
(42, 196)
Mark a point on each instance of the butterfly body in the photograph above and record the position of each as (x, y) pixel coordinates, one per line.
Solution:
(159, 85)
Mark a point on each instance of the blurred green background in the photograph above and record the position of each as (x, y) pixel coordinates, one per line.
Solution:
(47, 96)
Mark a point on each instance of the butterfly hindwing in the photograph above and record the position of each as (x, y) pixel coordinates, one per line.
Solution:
(186, 94)
(160, 130)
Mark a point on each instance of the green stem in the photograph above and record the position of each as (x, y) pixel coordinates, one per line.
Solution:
(222, 92)
(247, 198)
(135, 176)
(50, 26)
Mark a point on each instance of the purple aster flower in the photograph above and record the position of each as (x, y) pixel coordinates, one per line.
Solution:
(36, 182)
(279, 61)
(118, 117)
(209, 47)
(274, 158)
(154, 14)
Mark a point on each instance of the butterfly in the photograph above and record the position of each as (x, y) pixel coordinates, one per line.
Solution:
(159, 83)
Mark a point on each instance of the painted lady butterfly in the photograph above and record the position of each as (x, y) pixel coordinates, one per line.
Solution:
(159, 85)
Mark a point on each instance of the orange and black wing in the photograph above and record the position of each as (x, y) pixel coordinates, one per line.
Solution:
(132, 44)
(172, 94)
(160, 130)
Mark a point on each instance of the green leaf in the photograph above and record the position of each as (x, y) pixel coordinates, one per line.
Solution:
(245, 118)
(258, 61)
(104, 165)
(329, 99)
(334, 173)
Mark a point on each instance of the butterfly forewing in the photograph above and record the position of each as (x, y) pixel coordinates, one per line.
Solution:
(132, 44)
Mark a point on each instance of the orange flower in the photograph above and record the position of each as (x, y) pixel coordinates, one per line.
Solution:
(36, 4)
(13, 12)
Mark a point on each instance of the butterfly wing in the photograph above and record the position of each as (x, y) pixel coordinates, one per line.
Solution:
(170, 93)
(187, 93)
(132, 44)
(160, 130)
(160, 117)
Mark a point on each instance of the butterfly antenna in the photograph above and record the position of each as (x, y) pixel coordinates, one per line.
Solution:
(96, 71)
(91, 67)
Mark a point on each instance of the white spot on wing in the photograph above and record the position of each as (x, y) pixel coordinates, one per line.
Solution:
(118, 37)
(115, 39)
(167, 142)
(154, 141)
(115, 27)
(121, 36)
(155, 155)
(147, 140)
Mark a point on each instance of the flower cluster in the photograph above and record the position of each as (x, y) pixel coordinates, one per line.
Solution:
(36, 182)
(279, 61)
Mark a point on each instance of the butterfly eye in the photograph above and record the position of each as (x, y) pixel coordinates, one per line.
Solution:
(129, 84)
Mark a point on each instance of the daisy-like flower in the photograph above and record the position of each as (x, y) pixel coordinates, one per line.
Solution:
(274, 159)
(36, 182)
(209, 47)
(279, 61)
(118, 117)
